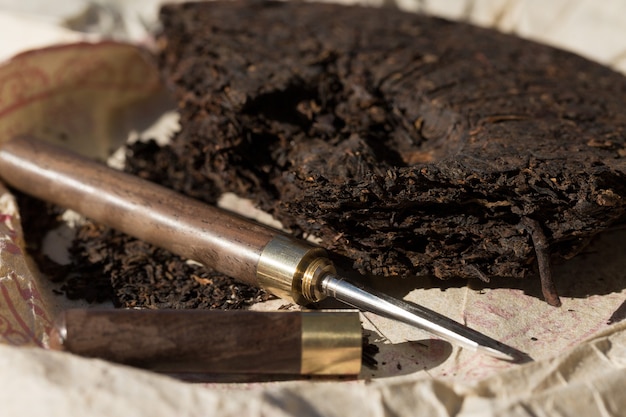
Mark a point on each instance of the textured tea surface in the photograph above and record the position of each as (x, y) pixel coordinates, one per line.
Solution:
(408, 144)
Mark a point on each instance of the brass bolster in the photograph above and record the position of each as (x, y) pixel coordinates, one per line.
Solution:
(292, 269)
(331, 342)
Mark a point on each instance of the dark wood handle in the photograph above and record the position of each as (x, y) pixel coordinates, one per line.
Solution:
(186, 341)
(213, 342)
(221, 240)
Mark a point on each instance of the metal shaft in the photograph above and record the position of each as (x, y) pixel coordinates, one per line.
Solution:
(418, 316)
(235, 246)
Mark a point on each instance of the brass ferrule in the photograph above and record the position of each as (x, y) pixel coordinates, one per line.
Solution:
(293, 270)
(332, 342)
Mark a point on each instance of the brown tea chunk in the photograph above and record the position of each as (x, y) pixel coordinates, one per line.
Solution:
(409, 144)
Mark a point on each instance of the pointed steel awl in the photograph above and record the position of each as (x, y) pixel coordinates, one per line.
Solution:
(249, 252)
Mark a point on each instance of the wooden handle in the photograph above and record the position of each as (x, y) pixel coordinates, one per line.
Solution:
(200, 342)
(223, 241)
(184, 341)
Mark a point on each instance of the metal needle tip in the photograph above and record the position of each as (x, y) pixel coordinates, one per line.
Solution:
(420, 317)
(506, 353)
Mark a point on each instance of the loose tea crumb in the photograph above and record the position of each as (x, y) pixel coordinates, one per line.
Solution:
(369, 352)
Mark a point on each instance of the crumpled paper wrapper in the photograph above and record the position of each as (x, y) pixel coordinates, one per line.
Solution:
(90, 97)
(586, 381)
(78, 96)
